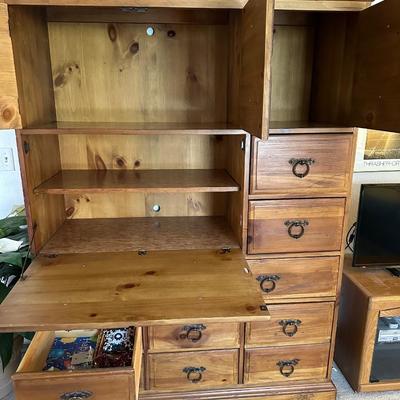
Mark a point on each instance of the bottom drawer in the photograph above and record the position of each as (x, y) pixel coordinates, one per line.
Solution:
(193, 370)
(30, 382)
(290, 363)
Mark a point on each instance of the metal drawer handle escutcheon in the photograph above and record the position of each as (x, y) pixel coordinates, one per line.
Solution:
(270, 280)
(295, 224)
(193, 333)
(76, 395)
(290, 326)
(301, 164)
(194, 374)
(286, 367)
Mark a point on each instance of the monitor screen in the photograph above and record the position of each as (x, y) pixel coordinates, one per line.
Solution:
(378, 227)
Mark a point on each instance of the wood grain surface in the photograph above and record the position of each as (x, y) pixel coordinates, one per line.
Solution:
(133, 234)
(9, 110)
(166, 370)
(79, 291)
(142, 181)
(298, 277)
(322, 5)
(273, 175)
(211, 336)
(315, 325)
(261, 364)
(149, 78)
(255, 75)
(269, 234)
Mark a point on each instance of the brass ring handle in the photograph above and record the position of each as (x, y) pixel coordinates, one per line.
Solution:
(270, 280)
(290, 326)
(76, 395)
(287, 367)
(301, 162)
(194, 374)
(193, 333)
(296, 224)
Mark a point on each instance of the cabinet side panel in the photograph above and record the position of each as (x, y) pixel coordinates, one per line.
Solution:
(9, 111)
(28, 27)
(40, 159)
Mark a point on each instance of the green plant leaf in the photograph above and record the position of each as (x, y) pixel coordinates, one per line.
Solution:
(6, 348)
(11, 225)
(14, 258)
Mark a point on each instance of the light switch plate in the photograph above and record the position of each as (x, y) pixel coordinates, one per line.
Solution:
(6, 159)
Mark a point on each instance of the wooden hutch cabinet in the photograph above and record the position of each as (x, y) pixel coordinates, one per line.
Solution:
(186, 168)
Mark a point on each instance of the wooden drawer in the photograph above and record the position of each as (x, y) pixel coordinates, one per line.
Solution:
(193, 336)
(287, 278)
(292, 324)
(288, 226)
(30, 382)
(193, 370)
(290, 363)
(303, 165)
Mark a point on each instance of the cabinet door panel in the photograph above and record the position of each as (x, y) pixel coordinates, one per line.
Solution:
(376, 93)
(256, 52)
(9, 112)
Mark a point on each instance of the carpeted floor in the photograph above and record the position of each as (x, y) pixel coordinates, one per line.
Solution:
(345, 392)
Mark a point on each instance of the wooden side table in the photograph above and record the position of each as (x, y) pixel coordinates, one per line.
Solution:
(367, 295)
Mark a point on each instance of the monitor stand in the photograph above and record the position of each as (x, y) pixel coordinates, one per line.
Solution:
(395, 271)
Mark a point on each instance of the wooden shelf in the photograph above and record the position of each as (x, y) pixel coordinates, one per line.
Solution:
(154, 181)
(80, 291)
(125, 128)
(133, 234)
(288, 127)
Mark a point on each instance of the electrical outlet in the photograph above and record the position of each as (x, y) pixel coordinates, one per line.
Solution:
(6, 159)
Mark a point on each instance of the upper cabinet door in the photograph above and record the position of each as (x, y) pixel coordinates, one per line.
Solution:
(256, 52)
(9, 111)
(376, 92)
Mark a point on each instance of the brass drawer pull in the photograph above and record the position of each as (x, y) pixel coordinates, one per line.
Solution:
(296, 224)
(268, 279)
(76, 395)
(290, 326)
(193, 374)
(301, 166)
(193, 333)
(286, 367)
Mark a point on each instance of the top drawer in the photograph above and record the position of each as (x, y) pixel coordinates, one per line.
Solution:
(302, 165)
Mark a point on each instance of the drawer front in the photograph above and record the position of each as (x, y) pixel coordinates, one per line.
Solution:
(193, 336)
(292, 324)
(296, 277)
(302, 165)
(288, 226)
(193, 370)
(290, 363)
(99, 387)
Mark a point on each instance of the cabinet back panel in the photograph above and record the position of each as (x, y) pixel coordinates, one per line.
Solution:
(141, 152)
(117, 73)
(312, 66)
(123, 205)
(291, 72)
